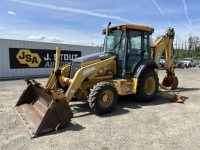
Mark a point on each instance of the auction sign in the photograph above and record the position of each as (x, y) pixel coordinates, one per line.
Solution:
(39, 58)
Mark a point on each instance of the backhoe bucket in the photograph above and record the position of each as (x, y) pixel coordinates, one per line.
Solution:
(40, 112)
(170, 82)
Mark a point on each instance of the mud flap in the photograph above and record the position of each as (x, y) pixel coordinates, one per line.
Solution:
(40, 112)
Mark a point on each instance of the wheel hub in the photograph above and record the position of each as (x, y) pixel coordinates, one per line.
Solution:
(106, 98)
(150, 85)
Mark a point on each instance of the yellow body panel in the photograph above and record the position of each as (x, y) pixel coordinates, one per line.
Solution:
(125, 86)
(83, 73)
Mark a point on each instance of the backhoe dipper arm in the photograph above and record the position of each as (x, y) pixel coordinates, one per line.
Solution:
(170, 81)
(164, 43)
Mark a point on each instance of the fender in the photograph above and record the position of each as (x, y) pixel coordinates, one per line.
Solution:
(145, 64)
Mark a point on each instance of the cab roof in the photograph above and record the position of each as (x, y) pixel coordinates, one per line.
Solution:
(134, 26)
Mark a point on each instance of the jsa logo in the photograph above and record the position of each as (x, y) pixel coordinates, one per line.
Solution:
(26, 57)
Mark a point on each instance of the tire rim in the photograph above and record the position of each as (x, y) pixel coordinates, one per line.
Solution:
(106, 98)
(150, 86)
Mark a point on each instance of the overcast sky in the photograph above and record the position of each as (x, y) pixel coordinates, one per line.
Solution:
(81, 21)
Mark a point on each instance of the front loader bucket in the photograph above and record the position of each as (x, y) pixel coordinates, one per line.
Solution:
(40, 113)
(170, 82)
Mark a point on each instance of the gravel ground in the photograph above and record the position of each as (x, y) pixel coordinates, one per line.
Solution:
(159, 124)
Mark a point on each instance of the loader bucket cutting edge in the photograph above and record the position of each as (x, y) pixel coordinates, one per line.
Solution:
(40, 113)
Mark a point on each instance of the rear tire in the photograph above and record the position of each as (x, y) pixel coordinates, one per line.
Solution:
(147, 86)
(103, 98)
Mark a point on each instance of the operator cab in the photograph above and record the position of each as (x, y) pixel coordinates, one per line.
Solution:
(131, 45)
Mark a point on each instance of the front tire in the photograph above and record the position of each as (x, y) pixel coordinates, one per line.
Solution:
(147, 86)
(103, 98)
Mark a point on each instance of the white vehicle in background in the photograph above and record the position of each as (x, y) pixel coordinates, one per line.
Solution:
(189, 62)
(162, 63)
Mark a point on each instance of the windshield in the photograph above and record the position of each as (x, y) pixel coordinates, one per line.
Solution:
(116, 41)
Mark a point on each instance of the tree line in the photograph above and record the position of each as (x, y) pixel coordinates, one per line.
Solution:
(191, 50)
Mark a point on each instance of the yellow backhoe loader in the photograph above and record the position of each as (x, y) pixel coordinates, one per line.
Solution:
(128, 65)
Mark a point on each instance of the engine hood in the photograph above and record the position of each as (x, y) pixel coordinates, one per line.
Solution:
(101, 56)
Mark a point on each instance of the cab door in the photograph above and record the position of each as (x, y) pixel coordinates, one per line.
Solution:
(137, 49)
